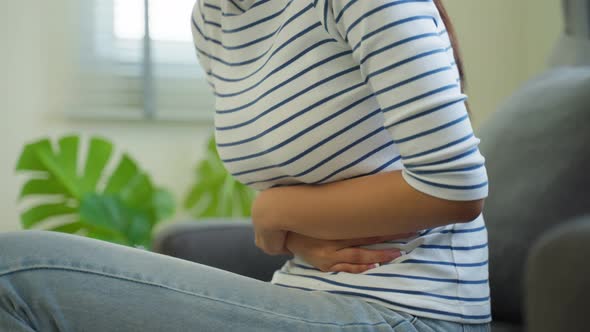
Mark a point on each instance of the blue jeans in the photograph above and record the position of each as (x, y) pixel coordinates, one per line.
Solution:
(59, 282)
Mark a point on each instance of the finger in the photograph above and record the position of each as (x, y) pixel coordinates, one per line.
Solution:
(367, 256)
(374, 240)
(352, 268)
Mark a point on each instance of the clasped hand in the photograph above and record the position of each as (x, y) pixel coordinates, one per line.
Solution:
(326, 255)
(330, 255)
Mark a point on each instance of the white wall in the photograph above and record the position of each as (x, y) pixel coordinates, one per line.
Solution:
(543, 26)
(490, 35)
(33, 82)
(503, 41)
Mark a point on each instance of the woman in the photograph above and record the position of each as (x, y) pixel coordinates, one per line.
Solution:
(348, 116)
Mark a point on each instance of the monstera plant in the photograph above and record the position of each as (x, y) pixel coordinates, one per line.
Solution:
(216, 193)
(81, 190)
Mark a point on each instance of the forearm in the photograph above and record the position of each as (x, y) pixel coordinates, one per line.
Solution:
(376, 205)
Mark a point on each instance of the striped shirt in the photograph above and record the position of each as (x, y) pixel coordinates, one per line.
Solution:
(316, 91)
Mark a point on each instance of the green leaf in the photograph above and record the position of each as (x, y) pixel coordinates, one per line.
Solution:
(244, 203)
(211, 210)
(67, 156)
(209, 173)
(139, 232)
(222, 195)
(243, 196)
(29, 158)
(39, 213)
(106, 235)
(99, 154)
(211, 146)
(138, 192)
(112, 219)
(225, 199)
(104, 212)
(241, 200)
(70, 228)
(60, 173)
(163, 203)
(126, 170)
(194, 195)
(248, 199)
(41, 187)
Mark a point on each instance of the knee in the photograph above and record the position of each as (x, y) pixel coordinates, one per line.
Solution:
(14, 243)
(26, 246)
(21, 239)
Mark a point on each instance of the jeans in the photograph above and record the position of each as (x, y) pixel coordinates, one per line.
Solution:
(59, 282)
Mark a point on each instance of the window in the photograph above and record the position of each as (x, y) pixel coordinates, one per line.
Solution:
(130, 69)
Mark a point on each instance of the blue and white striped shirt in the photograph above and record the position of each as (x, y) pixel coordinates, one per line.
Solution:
(316, 91)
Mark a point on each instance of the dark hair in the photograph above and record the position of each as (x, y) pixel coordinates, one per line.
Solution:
(455, 44)
(452, 36)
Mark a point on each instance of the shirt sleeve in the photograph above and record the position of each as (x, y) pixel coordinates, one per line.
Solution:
(201, 40)
(406, 58)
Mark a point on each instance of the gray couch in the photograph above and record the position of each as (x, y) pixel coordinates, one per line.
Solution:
(537, 149)
(538, 159)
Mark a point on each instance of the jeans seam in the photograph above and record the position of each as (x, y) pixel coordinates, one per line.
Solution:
(114, 276)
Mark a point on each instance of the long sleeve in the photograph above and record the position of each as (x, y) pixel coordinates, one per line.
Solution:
(406, 58)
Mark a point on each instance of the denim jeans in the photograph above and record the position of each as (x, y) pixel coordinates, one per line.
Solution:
(58, 282)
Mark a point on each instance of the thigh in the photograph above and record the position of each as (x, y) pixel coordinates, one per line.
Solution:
(434, 325)
(422, 324)
(59, 282)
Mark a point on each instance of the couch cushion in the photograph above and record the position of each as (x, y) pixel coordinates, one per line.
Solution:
(224, 244)
(506, 327)
(558, 279)
(537, 149)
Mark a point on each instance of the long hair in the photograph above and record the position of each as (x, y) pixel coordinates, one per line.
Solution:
(452, 36)
(455, 44)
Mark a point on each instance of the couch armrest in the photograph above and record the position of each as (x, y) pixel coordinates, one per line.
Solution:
(224, 244)
(558, 279)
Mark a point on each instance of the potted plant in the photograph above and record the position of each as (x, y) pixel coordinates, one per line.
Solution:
(120, 205)
(216, 194)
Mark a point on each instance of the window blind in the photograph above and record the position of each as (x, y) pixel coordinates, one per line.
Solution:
(137, 60)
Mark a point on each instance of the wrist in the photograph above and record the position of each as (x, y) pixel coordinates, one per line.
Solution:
(264, 212)
(271, 208)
